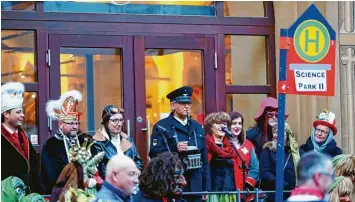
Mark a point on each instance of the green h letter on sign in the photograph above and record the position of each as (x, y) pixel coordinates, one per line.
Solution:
(308, 40)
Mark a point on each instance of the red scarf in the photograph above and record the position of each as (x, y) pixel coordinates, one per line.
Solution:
(15, 142)
(226, 152)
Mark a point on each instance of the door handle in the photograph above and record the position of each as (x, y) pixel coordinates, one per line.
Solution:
(148, 131)
(49, 123)
(128, 128)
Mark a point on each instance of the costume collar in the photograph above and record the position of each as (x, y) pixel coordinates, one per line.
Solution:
(183, 122)
(115, 190)
(307, 191)
(9, 129)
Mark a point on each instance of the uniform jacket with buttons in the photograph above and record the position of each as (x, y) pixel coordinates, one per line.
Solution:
(165, 135)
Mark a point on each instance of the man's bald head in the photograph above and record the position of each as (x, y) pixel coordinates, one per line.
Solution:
(122, 172)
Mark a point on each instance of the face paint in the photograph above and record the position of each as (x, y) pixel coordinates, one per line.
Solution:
(179, 181)
(271, 117)
(19, 187)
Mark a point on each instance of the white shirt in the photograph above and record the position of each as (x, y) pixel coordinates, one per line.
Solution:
(115, 140)
(183, 122)
(9, 129)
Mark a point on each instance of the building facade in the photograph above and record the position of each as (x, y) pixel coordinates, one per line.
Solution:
(131, 54)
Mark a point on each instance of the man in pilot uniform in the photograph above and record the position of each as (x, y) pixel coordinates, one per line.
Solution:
(178, 133)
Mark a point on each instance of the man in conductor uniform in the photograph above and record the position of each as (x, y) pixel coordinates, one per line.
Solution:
(178, 133)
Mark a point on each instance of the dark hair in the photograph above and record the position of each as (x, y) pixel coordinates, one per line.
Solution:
(235, 115)
(109, 111)
(3, 117)
(157, 180)
(263, 128)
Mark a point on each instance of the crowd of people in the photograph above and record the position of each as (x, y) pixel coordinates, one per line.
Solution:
(218, 156)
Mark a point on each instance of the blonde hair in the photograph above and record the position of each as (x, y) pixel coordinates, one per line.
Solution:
(344, 187)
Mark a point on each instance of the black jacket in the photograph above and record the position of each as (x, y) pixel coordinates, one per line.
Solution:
(331, 149)
(197, 179)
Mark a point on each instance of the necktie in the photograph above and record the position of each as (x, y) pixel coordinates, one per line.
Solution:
(16, 136)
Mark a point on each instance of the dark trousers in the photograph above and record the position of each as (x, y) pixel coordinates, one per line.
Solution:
(193, 198)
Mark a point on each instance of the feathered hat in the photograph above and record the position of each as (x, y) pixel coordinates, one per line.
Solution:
(11, 96)
(326, 118)
(66, 108)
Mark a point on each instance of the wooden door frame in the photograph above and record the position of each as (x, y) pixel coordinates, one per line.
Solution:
(205, 44)
(125, 43)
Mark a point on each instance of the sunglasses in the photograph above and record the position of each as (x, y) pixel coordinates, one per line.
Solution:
(271, 114)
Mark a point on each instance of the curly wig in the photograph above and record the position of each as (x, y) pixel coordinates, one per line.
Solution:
(157, 180)
(215, 117)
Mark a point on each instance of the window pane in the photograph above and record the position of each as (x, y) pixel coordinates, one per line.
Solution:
(167, 70)
(246, 60)
(244, 9)
(246, 104)
(30, 107)
(96, 73)
(140, 8)
(18, 56)
(18, 5)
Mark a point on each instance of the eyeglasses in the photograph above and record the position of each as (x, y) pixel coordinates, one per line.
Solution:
(117, 120)
(72, 123)
(321, 131)
(271, 114)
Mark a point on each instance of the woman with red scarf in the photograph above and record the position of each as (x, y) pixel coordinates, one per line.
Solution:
(225, 164)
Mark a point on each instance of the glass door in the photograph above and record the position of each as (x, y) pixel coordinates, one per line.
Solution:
(163, 64)
(95, 66)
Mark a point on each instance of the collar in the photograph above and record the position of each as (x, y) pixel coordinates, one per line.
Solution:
(307, 191)
(9, 129)
(115, 190)
(183, 122)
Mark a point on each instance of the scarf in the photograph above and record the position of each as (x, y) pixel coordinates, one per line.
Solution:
(225, 152)
(319, 147)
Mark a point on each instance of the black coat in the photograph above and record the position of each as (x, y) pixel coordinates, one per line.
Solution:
(197, 179)
(110, 150)
(14, 164)
(331, 149)
(222, 174)
(268, 172)
(255, 135)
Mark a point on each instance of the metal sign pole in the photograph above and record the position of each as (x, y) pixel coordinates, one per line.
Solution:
(281, 118)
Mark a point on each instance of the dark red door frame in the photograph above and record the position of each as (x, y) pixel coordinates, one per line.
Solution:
(125, 43)
(186, 43)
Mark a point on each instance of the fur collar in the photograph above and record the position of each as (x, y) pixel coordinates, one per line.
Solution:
(101, 135)
(270, 145)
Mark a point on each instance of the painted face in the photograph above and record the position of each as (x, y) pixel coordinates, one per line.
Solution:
(237, 126)
(344, 197)
(179, 181)
(271, 117)
(321, 133)
(69, 127)
(181, 109)
(115, 124)
(217, 129)
(15, 117)
(19, 187)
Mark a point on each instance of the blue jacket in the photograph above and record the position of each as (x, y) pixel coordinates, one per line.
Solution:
(111, 193)
(197, 179)
(331, 149)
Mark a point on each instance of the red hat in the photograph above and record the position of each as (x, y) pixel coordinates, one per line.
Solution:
(326, 118)
(267, 102)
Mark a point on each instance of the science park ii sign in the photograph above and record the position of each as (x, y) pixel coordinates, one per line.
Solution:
(307, 67)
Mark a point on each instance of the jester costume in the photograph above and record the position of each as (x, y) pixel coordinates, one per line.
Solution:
(15, 145)
(55, 153)
(78, 178)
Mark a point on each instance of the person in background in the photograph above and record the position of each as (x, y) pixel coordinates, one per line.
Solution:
(121, 179)
(341, 189)
(265, 119)
(18, 156)
(179, 133)
(344, 165)
(162, 180)
(225, 164)
(268, 163)
(322, 135)
(315, 175)
(112, 140)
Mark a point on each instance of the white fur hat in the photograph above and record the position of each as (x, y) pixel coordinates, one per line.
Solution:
(11, 96)
(66, 108)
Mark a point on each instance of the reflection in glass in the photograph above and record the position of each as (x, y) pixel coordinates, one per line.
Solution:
(246, 104)
(30, 107)
(244, 9)
(96, 73)
(167, 70)
(18, 5)
(17, 56)
(246, 60)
